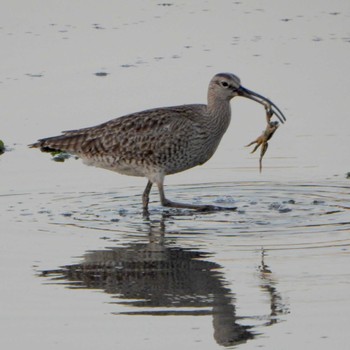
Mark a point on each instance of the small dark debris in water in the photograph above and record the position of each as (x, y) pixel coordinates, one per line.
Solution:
(291, 201)
(286, 19)
(115, 220)
(26, 213)
(317, 202)
(332, 212)
(279, 207)
(59, 156)
(127, 65)
(97, 26)
(44, 211)
(334, 13)
(275, 206)
(34, 75)
(262, 223)
(284, 210)
(140, 61)
(347, 175)
(165, 4)
(2, 147)
(101, 74)
(68, 215)
(123, 212)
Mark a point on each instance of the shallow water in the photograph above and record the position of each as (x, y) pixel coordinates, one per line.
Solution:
(83, 268)
(267, 265)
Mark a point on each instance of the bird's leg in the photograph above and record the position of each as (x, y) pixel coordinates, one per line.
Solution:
(145, 196)
(168, 203)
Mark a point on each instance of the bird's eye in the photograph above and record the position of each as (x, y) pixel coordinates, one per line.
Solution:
(224, 84)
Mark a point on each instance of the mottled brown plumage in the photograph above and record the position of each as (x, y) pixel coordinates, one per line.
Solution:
(158, 142)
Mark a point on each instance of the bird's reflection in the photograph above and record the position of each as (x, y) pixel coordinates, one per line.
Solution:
(160, 278)
(268, 284)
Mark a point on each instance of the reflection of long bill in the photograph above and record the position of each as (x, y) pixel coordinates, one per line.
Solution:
(263, 100)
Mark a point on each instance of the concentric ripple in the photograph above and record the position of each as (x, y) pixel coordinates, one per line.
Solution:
(281, 215)
(235, 269)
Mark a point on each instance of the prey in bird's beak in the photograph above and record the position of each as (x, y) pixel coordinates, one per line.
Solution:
(262, 100)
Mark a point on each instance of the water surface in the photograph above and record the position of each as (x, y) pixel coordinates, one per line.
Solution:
(83, 268)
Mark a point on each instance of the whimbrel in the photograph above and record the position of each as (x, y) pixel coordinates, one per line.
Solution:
(160, 141)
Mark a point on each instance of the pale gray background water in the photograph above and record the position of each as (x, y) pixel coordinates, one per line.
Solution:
(278, 265)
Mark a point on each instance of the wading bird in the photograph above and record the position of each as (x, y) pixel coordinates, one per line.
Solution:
(160, 141)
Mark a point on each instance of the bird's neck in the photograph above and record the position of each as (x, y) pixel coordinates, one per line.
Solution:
(219, 115)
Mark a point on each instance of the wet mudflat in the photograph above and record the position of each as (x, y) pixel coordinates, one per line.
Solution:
(83, 268)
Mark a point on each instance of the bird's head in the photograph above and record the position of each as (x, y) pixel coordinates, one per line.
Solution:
(225, 86)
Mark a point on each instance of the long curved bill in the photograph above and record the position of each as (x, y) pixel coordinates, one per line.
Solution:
(242, 91)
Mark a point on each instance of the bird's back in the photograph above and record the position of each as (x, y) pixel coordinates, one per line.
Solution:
(171, 139)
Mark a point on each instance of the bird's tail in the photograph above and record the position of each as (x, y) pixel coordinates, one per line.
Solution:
(70, 143)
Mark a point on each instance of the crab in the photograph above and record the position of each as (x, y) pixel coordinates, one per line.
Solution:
(263, 139)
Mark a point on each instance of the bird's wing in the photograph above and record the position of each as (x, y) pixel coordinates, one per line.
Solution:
(138, 132)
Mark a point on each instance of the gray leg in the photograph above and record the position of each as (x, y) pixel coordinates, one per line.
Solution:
(167, 203)
(145, 196)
